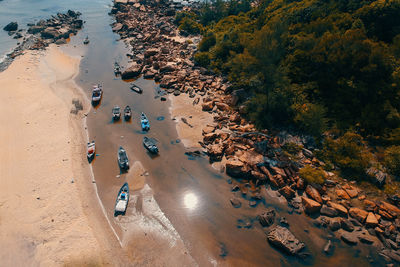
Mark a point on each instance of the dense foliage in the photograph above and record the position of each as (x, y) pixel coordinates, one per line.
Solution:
(314, 64)
(312, 175)
(392, 159)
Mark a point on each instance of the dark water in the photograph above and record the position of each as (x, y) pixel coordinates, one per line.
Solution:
(192, 195)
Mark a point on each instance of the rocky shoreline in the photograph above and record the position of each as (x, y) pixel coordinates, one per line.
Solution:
(56, 29)
(253, 158)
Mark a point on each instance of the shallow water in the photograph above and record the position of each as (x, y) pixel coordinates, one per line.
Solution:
(191, 194)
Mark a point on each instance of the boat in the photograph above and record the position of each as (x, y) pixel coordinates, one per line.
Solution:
(150, 144)
(122, 200)
(97, 93)
(91, 150)
(116, 113)
(117, 68)
(86, 41)
(136, 88)
(123, 160)
(127, 113)
(144, 122)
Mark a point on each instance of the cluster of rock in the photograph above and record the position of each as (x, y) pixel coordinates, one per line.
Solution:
(56, 29)
(255, 158)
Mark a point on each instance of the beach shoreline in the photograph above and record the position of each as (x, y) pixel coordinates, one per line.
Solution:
(48, 214)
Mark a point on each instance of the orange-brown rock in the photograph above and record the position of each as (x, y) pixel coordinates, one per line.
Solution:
(236, 168)
(222, 106)
(208, 106)
(287, 192)
(300, 184)
(258, 175)
(216, 152)
(208, 129)
(279, 171)
(266, 171)
(277, 181)
(313, 193)
(358, 214)
(389, 208)
(371, 220)
(369, 205)
(352, 192)
(342, 194)
(310, 206)
(209, 138)
(340, 208)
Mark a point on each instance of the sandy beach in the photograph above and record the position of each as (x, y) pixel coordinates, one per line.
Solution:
(48, 213)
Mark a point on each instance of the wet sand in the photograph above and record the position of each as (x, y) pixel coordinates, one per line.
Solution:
(48, 215)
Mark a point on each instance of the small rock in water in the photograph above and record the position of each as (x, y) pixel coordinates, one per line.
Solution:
(118, 176)
(328, 247)
(122, 136)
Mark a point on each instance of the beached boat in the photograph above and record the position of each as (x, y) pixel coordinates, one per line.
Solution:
(150, 144)
(117, 68)
(127, 113)
(144, 122)
(136, 88)
(97, 93)
(123, 160)
(122, 200)
(116, 113)
(86, 41)
(91, 150)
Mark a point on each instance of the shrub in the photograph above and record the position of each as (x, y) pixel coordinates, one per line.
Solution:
(190, 26)
(349, 154)
(392, 159)
(207, 42)
(312, 175)
(292, 148)
(202, 58)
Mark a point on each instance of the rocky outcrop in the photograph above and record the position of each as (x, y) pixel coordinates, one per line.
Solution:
(313, 193)
(371, 220)
(236, 168)
(267, 218)
(358, 214)
(327, 211)
(12, 26)
(349, 238)
(133, 71)
(310, 206)
(284, 240)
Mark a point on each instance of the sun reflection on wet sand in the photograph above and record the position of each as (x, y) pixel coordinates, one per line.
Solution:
(190, 200)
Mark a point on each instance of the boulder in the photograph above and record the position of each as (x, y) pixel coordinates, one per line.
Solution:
(310, 206)
(313, 193)
(369, 205)
(287, 192)
(347, 225)
(335, 224)
(371, 220)
(208, 106)
(267, 218)
(170, 67)
(389, 208)
(330, 212)
(342, 211)
(235, 202)
(236, 168)
(222, 106)
(328, 247)
(215, 152)
(132, 71)
(342, 194)
(377, 176)
(50, 33)
(283, 239)
(36, 29)
(349, 238)
(12, 26)
(352, 193)
(151, 52)
(358, 214)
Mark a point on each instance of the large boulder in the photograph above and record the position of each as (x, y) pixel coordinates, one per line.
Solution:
(12, 26)
(215, 152)
(287, 192)
(50, 33)
(267, 218)
(313, 193)
(349, 238)
(283, 239)
(236, 168)
(358, 214)
(330, 212)
(342, 211)
(207, 106)
(371, 220)
(36, 29)
(310, 206)
(132, 71)
(151, 52)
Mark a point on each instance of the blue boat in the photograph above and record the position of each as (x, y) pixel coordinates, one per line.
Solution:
(144, 122)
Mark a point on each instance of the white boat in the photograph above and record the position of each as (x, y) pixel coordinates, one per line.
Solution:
(91, 150)
(136, 88)
(123, 160)
(122, 200)
(150, 144)
(116, 113)
(127, 113)
(97, 93)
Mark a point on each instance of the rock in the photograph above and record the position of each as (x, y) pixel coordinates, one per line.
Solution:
(313, 193)
(208, 106)
(358, 214)
(369, 205)
(393, 210)
(342, 211)
(349, 238)
(330, 212)
(342, 194)
(287, 192)
(132, 71)
(310, 205)
(216, 152)
(346, 225)
(236, 168)
(170, 67)
(328, 247)
(307, 153)
(50, 33)
(222, 106)
(151, 52)
(61, 41)
(283, 221)
(365, 239)
(209, 138)
(12, 26)
(267, 218)
(283, 239)
(236, 202)
(335, 224)
(36, 29)
(377, 176)
(371, 220)
(300, 184)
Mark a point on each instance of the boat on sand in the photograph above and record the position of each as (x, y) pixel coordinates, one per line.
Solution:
(136, 88)
(91, 150)
(116, 113)
(122, 200)
(144, 122)
(123, 160)
(127, 113)
(150, 144)
(97, 93)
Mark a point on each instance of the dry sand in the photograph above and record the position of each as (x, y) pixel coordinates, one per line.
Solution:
(190, 133)
(49, 214)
